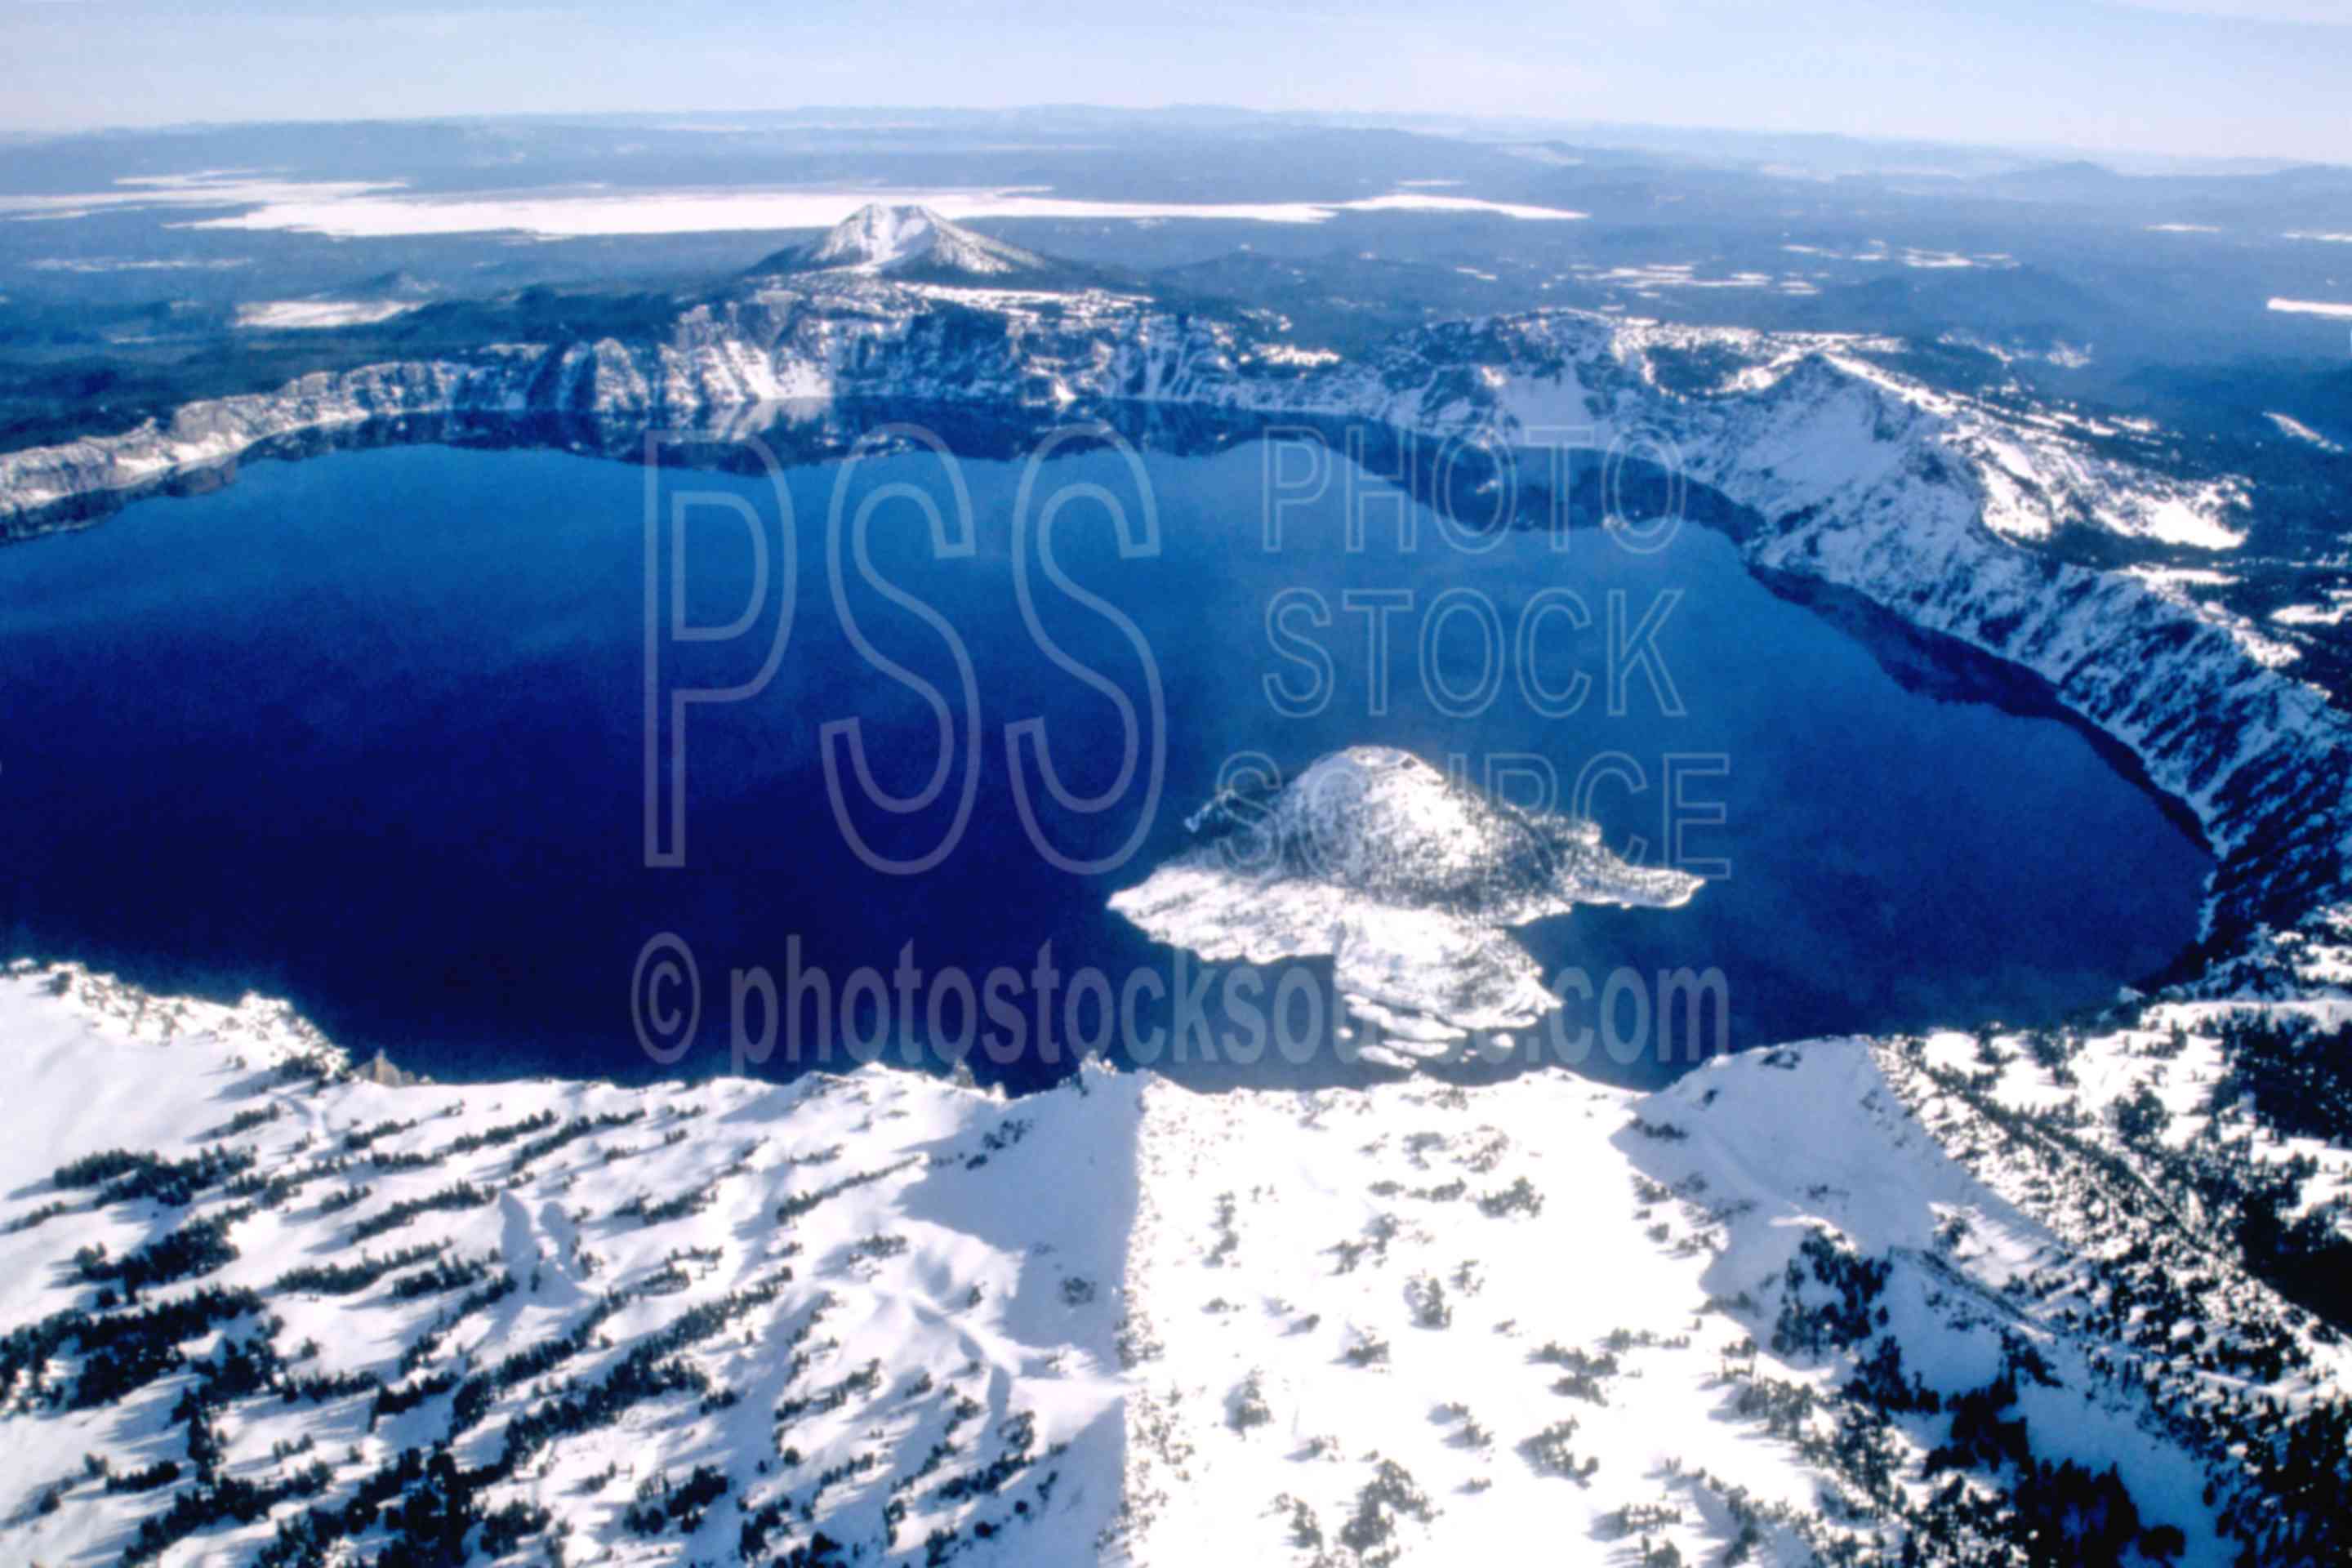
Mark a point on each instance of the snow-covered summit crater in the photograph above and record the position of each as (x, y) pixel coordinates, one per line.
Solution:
(1404, 876)
(908, 240)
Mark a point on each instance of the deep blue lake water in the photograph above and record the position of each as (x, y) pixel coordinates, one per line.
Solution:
(368, 731)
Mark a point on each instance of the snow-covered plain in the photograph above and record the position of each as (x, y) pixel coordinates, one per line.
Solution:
(349, 213)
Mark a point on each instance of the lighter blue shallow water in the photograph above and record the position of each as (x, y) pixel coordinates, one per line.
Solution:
(367, 730)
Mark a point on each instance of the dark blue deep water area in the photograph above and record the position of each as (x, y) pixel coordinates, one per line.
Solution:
(369, 730)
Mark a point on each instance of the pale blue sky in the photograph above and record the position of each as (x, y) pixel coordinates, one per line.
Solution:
(2223, 77)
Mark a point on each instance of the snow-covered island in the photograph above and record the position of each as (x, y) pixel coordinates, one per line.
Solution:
(1405, 878)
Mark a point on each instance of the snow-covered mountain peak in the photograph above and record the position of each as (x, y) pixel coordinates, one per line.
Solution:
(876, 236)
(911, 239)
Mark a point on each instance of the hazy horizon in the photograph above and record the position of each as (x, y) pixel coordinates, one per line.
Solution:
(2192, 78)
(1629, 135)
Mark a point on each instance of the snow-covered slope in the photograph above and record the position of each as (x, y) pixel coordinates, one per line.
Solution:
(1843, 1301)
(881, 1307)
(1558, 1318)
